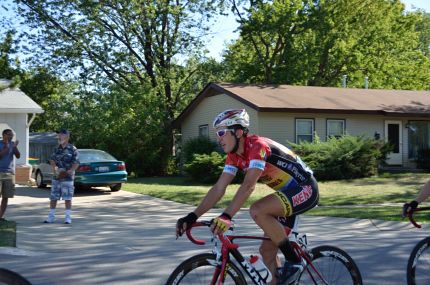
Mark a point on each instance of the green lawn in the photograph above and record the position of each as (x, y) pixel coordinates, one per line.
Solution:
(376, 197)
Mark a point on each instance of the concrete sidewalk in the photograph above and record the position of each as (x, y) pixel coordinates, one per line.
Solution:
(126, 238)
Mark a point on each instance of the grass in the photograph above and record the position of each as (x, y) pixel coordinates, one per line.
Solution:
(379, 197)
(7, 233)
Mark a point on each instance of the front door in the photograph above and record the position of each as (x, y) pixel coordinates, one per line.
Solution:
(393, 135)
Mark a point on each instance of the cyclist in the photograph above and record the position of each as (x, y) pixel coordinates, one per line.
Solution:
(271, 163)
(422, 196)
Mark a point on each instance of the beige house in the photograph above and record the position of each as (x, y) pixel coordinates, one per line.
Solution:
(17, 112)
(295, 113)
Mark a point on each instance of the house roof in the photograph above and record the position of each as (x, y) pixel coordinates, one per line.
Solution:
(13, 100)
(311, 99)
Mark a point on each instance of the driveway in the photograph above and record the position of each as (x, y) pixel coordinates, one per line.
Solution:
(125, 238)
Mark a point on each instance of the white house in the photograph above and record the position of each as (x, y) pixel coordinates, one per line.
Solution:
(288, 113)
(17, 112)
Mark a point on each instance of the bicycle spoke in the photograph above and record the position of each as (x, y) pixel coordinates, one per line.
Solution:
(420, 265)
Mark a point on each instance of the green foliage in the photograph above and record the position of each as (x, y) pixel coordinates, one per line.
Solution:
(346, 157)
(197, 145)
(205, 168)
(317, 42)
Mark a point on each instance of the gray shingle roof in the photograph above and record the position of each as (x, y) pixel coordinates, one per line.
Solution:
(311, 99)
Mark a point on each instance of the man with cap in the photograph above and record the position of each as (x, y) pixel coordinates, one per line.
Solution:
(64, 162)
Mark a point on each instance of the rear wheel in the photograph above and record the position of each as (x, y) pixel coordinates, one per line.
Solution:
(334, 265)
(419, 263)
(8, 277)
(115, 187)
(39, 180)
(200, 269)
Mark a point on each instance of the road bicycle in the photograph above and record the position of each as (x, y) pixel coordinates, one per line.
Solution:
(325, 264)
(418, 268)
(8, 277)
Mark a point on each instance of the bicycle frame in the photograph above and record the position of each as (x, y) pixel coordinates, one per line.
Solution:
(299, 243)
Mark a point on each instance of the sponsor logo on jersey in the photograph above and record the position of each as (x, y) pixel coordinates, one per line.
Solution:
(302, 196)
(263, 154)
(292, 169)
(230, 169)
(260, 164)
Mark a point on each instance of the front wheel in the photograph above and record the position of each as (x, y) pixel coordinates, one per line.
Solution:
(39, 180)
(417, 271)
(12, 278)
(200, 269)
(330, 265)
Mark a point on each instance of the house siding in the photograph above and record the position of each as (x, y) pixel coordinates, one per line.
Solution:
(207, 110)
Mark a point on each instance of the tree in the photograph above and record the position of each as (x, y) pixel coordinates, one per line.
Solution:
(7, 69)
(136, 48)
(317, 42)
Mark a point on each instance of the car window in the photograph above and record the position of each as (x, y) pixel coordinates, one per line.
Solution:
(94, 155)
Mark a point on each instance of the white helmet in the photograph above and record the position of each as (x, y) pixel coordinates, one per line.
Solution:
(232, 117)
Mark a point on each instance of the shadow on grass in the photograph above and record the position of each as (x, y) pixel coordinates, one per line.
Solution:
(165, 180)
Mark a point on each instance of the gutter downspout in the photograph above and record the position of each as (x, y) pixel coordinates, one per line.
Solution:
(31, 120)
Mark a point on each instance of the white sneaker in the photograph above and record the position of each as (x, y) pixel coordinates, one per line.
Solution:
(50, 219)
(68, 220)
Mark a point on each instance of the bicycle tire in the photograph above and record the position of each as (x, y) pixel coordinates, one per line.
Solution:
(199, 269)
(9, 277)
(335, 266)
(417, 270)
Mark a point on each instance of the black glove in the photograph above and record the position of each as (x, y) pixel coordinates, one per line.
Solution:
(188, 220)
(408, 207)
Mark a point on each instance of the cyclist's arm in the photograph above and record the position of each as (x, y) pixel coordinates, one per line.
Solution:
(251, 177)
(424, 194)
(215, 194)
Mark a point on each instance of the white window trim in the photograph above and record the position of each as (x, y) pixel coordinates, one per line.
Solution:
(335, 120)
(204, 133)
(307, 120)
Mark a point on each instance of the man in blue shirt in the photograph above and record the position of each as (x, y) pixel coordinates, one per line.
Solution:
(8, 149)
(64, 162)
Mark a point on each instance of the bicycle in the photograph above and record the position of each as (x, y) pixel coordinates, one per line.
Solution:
(417, 270)
(323, 264)
(9, 277)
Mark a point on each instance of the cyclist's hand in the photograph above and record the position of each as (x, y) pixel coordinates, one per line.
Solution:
(185, 223)
(221, 224)
(407, 207)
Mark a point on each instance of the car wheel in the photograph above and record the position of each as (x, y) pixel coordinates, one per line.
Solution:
(39, 180)
(115, 187)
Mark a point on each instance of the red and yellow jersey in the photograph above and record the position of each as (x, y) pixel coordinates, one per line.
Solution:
(281, 166)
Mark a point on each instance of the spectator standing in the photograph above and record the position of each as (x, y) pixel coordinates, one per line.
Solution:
(64, 162)
(8, 149)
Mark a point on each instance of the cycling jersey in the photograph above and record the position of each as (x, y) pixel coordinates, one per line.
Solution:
(280, 165)
(282, 169)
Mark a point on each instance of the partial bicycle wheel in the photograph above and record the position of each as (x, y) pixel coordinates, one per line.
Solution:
(334, 265)
(200, 270)
(417, 271)
(8, 277)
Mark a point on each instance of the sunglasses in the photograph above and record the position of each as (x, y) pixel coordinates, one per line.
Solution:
(222, 132)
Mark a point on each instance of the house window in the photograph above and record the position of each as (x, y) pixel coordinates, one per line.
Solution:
(203, 131)
(335, 128)
(304, 130)
(418, 137)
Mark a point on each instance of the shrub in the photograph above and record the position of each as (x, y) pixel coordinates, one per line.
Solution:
(346, 157)
(197, 145)
(205, 168)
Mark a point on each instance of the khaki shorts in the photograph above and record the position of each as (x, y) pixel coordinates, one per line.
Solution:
(7, 185)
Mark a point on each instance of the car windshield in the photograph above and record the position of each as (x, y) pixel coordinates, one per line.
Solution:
(94, 155)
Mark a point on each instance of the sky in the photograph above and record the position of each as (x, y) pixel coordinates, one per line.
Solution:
(223, 30)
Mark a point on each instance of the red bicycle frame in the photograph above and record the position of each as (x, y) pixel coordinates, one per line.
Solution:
(229, 247)
(411, 214)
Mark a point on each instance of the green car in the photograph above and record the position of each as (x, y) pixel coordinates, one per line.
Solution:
(96, 168)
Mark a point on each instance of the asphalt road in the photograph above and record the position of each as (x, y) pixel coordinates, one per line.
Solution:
(125, 238)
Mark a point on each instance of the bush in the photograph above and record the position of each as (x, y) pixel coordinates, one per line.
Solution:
(205, 168)
(346, 157)
(197, 145)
